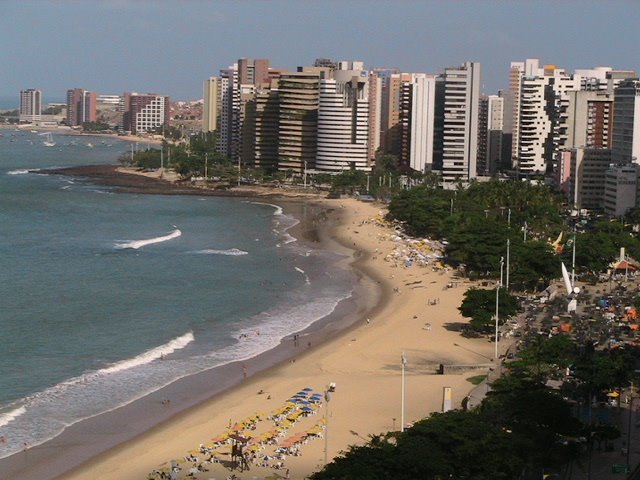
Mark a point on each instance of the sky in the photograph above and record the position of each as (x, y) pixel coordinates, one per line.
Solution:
(171, 47)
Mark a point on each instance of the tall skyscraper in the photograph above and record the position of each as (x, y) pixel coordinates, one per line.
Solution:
(417, 117)
(253, 71)
(375, 115)
(540, 118)
(260, 130)
(391, 105)
(30, 105)
(460, 96)
(298, 118)
(626, 122)
(145, 112)
(530, 68)
(590, 116)
(490, 133)
(343, 119)
(81, 107)
(228, 77)
(211, 107)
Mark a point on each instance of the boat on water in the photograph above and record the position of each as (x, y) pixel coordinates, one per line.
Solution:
(90, 145)
(48, 141)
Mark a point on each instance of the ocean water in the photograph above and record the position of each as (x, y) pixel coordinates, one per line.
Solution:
(106, 297)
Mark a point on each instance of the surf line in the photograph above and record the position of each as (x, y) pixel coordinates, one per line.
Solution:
(135, 244)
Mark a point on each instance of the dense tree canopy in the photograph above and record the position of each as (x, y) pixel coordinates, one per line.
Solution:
(479, 304)
(476, 223)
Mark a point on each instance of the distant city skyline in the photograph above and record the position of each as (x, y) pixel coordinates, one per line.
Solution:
(169, 48)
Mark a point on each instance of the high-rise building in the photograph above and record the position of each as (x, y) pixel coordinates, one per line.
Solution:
(390, 113)
(620, 189)
(227, 86)
(540, 128)
(145, 112)
(30, 105)
(588, 169)
(490, 127)
(298, 118)
(417, 117)
(253, 71)
(458, 118)
(343, 119)
(81, 106)
(626, 122)
(211, 107)
(375, 115)
(260, 129)
(530, 68)
(590, 115)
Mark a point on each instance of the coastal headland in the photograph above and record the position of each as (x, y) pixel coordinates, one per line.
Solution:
(399, 309)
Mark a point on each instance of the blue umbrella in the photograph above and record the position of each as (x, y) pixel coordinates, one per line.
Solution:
(307, 389)
(307, 409)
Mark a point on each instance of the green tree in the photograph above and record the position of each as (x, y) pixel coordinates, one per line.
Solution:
(480, 305)
(535, 414)
(447, 445)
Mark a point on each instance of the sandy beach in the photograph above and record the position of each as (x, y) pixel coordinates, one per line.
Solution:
(397, 309)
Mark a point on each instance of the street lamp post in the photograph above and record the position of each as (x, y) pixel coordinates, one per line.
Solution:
(497, 308)
(327, 397)
(508, 248)
(629, 426)
(305, 174)
(404, 362)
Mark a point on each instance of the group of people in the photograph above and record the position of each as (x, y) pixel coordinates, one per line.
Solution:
(255, 448)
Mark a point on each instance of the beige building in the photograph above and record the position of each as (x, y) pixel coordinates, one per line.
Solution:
(298, 118)
(211, 107)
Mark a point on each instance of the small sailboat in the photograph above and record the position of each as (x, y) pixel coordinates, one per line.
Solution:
(48, 141)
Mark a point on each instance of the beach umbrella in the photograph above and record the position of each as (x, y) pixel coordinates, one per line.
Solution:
(307, 389)
(307, 409)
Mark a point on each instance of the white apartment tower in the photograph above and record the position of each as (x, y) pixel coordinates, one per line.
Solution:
(540, 116)
(417, 118)
(343, 120)
(461, 95)
(210, 109)
(530, 68)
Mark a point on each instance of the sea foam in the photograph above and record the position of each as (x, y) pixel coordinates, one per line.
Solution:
(150, 355)
(232, 251)
(136, 244)
(5, 418)
(278, 208)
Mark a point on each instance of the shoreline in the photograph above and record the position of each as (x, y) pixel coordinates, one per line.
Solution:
(371, 352)
(78, 441)
(79, 133)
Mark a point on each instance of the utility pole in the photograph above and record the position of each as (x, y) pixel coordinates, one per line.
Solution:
(497, 307)
(508, 245)
(404, 362)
